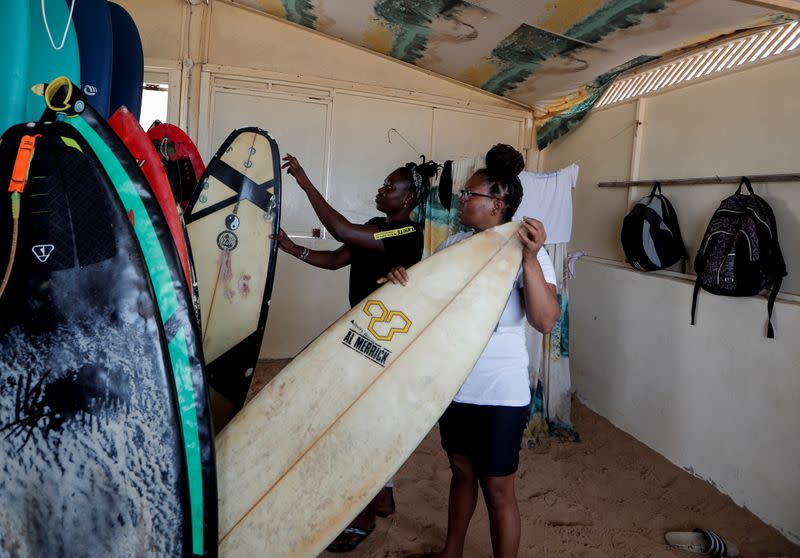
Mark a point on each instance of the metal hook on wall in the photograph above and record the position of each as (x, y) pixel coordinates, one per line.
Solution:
(389, 139)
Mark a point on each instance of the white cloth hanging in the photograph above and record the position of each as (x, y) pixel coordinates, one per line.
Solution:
(548, 198)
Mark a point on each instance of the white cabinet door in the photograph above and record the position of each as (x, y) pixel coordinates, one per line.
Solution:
(299, 125)
(459, 135)
(364, 150)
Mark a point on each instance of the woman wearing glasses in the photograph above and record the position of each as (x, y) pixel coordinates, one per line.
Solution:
(482, 429)
(370, 255)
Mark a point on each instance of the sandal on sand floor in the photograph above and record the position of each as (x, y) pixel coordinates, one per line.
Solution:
(348, 539)
(701, 541)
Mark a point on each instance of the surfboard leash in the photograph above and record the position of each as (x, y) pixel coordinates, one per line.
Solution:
(19, 177)
(66, 29)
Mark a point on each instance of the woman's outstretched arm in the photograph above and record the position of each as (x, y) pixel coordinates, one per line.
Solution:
(339, 226)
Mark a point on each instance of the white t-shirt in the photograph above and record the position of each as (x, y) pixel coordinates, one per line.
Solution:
(500, 377)
(547, 196)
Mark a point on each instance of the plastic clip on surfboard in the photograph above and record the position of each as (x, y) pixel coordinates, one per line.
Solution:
(174, 302)
(91, 452)
(230, 218)
(339, 421)
(19, 178)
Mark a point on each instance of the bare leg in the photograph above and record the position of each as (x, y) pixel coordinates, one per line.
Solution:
(504, 521)
(383, 502)
(461, 505)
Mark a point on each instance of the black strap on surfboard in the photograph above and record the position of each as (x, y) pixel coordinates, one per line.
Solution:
(245, 188)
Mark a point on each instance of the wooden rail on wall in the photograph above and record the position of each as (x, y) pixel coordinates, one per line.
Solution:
(754, 178)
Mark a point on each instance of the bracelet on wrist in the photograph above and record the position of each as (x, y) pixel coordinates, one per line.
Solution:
(304, 254)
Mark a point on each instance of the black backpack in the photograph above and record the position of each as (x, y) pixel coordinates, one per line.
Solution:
(740, 254)
(651, 236)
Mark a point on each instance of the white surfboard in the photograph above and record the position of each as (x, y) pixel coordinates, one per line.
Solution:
(230, 218)
(299, 462)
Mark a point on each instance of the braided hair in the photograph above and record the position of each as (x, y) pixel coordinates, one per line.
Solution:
(501, 175)
(419, 178)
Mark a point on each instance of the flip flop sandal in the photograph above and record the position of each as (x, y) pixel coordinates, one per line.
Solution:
(355, 537)
(701, 541)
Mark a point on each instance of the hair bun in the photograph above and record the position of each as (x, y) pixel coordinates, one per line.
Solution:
(504, 160)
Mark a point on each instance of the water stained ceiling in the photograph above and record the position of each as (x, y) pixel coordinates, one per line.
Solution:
(527, 50)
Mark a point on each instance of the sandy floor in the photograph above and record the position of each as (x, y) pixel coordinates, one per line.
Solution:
(606, 496)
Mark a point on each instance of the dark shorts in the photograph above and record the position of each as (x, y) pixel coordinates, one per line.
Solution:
(490, 436)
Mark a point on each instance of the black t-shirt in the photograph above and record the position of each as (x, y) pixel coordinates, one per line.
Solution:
(402, 243)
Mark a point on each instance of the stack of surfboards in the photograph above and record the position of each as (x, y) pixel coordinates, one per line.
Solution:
(103, 396)
(95, 43)
(123, 230)
(168, 385)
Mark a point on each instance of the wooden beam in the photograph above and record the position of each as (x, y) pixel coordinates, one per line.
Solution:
(754, 178)
(790, 6)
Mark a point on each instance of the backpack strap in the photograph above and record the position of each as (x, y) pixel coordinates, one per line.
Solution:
(666, 202)
(745, 182)
(770, 304)
(656, 187)
(694, 297)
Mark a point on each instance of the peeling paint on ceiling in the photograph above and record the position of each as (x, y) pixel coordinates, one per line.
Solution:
(542, 53)
(527, 50)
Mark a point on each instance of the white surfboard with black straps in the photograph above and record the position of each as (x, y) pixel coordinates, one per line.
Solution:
(232, 213)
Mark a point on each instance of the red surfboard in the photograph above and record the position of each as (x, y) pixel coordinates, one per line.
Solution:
(138, 143)
(180, 158)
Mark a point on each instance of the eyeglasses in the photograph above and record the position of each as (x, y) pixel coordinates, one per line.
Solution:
(467, 194)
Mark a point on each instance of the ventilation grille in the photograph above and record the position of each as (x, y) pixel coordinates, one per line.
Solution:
(719, 59)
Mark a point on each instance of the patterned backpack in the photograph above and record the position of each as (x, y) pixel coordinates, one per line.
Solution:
(651, 237)
(740, 254)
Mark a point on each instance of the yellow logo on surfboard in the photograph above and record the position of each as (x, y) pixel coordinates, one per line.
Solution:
(396, 320)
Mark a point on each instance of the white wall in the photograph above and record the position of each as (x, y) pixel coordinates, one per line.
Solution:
(718, 398)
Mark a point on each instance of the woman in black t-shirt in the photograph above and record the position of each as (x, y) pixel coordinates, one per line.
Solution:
(372, 250)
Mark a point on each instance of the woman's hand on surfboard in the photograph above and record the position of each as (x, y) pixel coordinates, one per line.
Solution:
(284, 242)
(398, 276)
(532, 235)
(293, 167)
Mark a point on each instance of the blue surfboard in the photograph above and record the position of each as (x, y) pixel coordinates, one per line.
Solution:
(46, 61)
(14, 35)
(127, 75)
(92, 20)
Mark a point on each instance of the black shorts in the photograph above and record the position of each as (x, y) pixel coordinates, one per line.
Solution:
(489, 435)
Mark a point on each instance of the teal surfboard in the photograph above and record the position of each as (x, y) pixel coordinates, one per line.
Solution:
(14, 36)
(45, 60)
